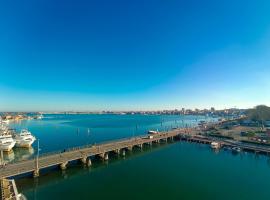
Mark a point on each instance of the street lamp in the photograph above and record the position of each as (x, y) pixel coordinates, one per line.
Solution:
(38, 149)
(2, 157)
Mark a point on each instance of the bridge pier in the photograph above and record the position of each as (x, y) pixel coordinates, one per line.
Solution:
(36, 173)
(130, 148)
(140, 146)
(104, 156)
(164, 139)
(117, 151)
(84, 160)
(63, 165)
(89, 162)
(156, 141)
(123, 152)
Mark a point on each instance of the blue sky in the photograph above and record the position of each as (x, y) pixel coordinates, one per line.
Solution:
(122, 55)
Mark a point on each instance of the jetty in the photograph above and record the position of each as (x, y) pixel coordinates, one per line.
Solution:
(84, 154)
(227, 143)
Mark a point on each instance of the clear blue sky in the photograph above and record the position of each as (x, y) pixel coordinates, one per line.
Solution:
(121, 55)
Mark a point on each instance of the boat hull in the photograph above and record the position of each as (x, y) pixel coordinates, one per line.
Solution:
(24, 143)
(7, 147)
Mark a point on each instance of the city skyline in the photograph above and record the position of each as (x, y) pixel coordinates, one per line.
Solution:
(143, 55)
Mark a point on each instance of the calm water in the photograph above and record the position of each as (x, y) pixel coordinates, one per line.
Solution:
(174, 171)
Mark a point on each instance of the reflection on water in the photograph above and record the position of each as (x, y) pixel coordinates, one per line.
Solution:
(18, 154)
(9, 156)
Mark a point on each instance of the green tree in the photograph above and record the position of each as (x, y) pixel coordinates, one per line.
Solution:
(260, 113)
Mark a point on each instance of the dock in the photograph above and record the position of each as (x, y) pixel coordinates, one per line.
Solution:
(227, 143)
(83, 154)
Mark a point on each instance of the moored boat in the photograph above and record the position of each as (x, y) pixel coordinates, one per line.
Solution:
(152, 132)
(6, 142)
(215, 145)
(236, 149)
(24, 139)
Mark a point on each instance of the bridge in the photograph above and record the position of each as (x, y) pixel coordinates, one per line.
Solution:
(83, 154)
(9, 190)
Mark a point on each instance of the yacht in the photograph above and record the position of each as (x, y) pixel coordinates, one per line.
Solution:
(24, 139)
(40, 116)
(236, 150)
(215, 145)
(6, 142)
(153, 132)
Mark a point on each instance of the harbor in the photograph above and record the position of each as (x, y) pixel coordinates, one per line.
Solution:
(89, 156)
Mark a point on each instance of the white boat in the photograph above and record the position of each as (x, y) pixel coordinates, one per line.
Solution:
(215, 145)
(6, 142)
(40, 116)
(5, 121)
(24, 139)
(236, 149)
(152, 132)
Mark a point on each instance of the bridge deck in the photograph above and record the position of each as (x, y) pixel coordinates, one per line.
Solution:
(58, 158)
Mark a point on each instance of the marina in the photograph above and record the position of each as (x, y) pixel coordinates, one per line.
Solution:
(9, 138)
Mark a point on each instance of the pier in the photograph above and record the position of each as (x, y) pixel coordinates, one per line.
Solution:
(227, 143)
(83, 154)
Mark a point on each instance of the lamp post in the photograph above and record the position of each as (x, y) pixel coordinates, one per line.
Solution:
(38, 149)
(2, 157)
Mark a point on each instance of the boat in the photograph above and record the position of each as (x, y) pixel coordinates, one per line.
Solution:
(24, 139)
(6, 142)
(215, 145)
(152, 132)
(6, 121)
(236, 149)
(40, 116)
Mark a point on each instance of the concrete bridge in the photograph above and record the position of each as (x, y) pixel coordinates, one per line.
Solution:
(83, 154)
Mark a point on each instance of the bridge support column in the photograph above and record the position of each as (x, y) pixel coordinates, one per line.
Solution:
(89, 162)
(164, 139)
(104, 156)
(117, 151)
(84, 160)
(123, 152)
(36, 173)
(63, 165)
(156, 141)
(130, 148)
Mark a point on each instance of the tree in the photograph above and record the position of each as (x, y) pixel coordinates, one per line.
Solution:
(260, 113)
